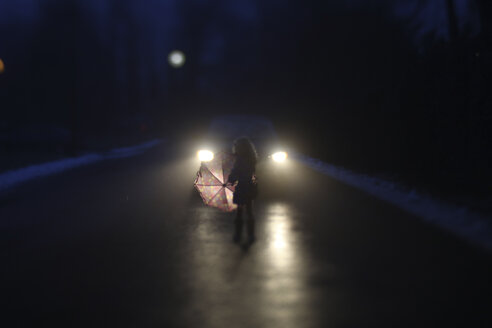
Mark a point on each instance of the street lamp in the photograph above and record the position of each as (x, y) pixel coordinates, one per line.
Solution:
(176, 58)
(2, 66)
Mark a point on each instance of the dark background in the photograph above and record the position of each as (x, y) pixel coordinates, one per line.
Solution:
(396, 88)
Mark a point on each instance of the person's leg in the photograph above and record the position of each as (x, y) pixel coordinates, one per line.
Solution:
(238, 223)
(251, 221)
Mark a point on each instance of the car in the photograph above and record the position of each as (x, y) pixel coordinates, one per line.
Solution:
(223, 130)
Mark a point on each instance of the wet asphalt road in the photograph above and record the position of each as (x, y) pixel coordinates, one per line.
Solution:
(128, 243)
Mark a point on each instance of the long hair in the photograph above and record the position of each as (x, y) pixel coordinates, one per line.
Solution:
(245, 150)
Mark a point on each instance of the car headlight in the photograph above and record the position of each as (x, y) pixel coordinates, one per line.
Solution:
(205, 155)
(279, 157)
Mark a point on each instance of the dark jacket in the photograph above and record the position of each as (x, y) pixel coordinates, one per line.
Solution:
(243, 173)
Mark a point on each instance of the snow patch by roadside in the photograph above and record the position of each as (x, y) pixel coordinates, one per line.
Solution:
(474, 227)
(14, 177)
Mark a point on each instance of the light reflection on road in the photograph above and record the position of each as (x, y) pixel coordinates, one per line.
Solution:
(284, 293)
(263, 286)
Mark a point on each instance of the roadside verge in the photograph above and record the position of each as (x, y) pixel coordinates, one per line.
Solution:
(474, 227)
(15, 177)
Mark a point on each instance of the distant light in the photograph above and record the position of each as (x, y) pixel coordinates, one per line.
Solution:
(205, 155)
(176, 58)
(280, 156)
(2, 66)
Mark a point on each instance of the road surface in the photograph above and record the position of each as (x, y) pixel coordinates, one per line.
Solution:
(128, 243)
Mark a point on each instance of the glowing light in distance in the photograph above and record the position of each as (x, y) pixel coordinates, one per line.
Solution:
(2, 66)
(176, 58)
(205, 155)
(279, 157)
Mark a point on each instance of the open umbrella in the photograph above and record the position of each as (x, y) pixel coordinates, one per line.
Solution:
(211, 182)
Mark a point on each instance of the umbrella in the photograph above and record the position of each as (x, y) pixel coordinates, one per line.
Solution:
(211, 182)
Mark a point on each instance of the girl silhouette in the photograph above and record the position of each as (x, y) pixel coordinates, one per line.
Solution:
(243, 176)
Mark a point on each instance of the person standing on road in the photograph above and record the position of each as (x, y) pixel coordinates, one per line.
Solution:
(243, 177)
